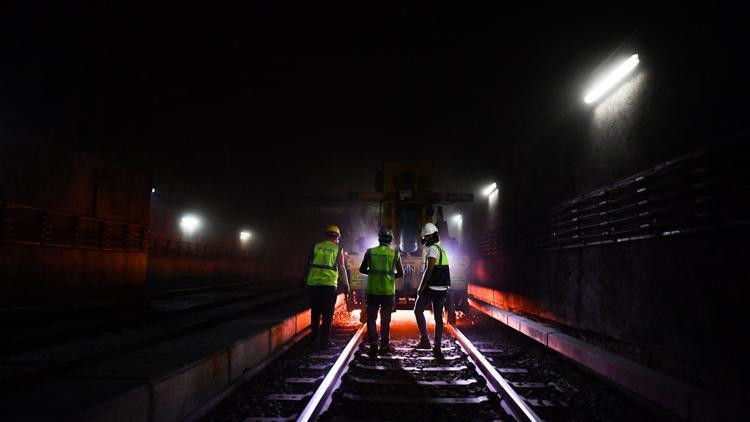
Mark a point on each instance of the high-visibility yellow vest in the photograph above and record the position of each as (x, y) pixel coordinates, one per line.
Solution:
(381, 275)
(323, 269)
(441, 276)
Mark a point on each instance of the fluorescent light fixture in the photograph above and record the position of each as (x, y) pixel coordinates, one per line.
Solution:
(245, 236)
(189, 224)
(489, 189)
(611, 80)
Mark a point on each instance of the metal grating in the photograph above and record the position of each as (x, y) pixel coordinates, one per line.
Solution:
(706, 190)
(490, 244)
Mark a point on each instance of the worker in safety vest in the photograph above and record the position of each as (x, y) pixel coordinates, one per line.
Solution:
(382, 266)
(325, 270)
(433, 289)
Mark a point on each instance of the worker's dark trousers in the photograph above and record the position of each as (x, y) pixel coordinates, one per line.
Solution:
(436, 299)
(384, 303)
(322, 303)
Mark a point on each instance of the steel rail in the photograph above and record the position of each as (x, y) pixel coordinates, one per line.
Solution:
(323, 393)
(520, 410)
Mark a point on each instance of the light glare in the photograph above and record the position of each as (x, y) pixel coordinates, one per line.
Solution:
(607, 83)
(489, 189)
(458, 218)
(245, 236)
(190, 224)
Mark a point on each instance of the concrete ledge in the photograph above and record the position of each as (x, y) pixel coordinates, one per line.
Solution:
(535, 330)
(677, 397)
(515, 321)
(283, 332)
(247, 353)
(131, 406)
(303, 320)
(659, 388)
(492, 311)
(182, 391)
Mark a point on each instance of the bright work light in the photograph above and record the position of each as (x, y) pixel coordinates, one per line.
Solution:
(189, 224)
(611, 80)
(245, 236)
(489, 189)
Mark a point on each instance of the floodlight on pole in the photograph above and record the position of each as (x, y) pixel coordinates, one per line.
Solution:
(606, 83)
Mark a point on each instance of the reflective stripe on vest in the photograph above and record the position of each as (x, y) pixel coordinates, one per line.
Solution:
(381, 272)
(323, 271)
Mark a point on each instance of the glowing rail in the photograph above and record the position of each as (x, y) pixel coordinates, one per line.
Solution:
(515, 404)
(323, 394)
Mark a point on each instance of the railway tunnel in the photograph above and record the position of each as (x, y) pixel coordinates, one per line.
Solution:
(166, 172)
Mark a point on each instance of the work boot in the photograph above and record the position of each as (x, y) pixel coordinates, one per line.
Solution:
(373, 352)
(386, 349)
(437, 352)
(423, 344)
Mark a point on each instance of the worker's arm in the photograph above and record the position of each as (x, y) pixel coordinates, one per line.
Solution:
(427, 274)
(307, 270)
(365, 266)
(399, 268)
(343, 278)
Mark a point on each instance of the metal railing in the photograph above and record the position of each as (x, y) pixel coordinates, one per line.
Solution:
(25, 224)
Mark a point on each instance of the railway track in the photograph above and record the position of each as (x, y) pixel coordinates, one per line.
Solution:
(547, 399)
(485, 375)
(552, 387)
(344, 383)
(162, 307)
(42, 356)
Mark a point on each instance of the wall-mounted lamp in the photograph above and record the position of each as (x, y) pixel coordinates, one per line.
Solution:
(489, 189)
(606, 83)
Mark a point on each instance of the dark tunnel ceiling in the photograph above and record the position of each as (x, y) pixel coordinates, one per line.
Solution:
(221, 95)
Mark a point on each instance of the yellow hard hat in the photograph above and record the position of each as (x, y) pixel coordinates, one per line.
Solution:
(333, 229)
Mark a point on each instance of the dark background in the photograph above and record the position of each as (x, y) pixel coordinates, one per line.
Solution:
(215, 98)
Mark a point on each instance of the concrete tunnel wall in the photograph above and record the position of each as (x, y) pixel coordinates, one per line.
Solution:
(53, 176)
(671, 303)
(68, 184)
(71, 184)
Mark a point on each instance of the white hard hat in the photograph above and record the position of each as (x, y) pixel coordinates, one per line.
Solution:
(428, 229)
